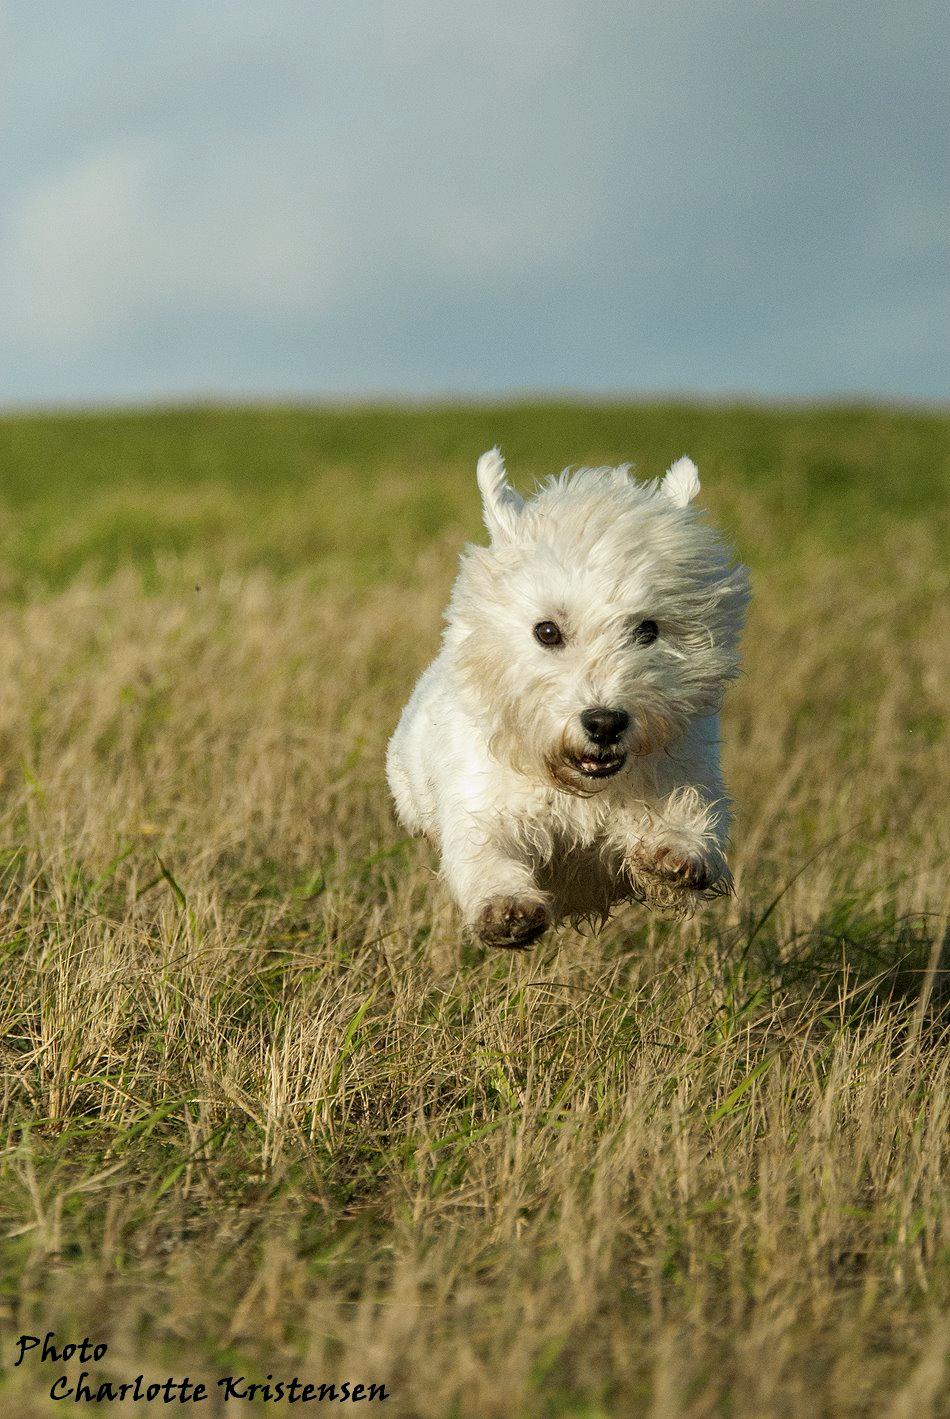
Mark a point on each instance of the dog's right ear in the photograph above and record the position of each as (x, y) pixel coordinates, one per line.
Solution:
(501, 505)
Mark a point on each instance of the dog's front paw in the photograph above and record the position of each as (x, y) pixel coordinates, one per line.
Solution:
(512, 922)
(672, 873)
(680, 866)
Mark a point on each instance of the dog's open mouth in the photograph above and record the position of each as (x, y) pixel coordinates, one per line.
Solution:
(601, 765)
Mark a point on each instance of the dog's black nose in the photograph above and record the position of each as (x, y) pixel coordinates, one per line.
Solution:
(605, 726)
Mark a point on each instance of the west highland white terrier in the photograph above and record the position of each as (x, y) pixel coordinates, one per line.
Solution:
(562, 751)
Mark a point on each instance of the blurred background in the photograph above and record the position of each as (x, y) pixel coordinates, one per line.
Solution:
(302, 200)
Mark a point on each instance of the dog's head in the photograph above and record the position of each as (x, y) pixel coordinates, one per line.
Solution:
(604, 616)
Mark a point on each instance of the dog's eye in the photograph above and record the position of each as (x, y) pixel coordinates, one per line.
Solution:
(548, 633)
(646, 633)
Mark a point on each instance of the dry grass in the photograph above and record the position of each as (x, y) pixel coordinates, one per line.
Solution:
(263, 1109)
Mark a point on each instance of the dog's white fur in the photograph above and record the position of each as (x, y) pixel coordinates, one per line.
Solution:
(489, 756)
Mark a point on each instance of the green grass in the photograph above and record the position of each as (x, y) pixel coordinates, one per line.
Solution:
(354, 492)
(265, 1108)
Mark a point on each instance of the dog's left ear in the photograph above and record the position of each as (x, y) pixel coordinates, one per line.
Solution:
(501, 505)
(681, 483)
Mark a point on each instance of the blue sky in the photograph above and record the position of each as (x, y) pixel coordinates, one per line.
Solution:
(231, 199)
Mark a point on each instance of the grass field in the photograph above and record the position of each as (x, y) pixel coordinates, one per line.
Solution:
(265, 1112)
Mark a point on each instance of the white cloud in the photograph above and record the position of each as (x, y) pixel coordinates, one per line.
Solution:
(113, 240)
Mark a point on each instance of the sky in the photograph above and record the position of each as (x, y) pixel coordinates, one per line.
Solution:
(383, 198)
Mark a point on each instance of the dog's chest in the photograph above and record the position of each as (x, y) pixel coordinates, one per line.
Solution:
(575, 824)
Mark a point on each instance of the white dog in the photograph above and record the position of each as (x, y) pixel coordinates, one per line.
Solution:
(562, 752)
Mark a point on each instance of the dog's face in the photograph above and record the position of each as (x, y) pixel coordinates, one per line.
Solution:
(604, 616)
